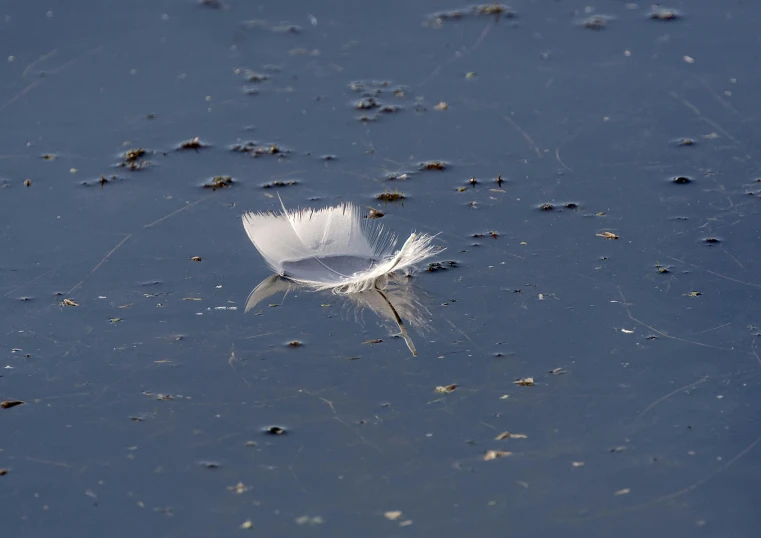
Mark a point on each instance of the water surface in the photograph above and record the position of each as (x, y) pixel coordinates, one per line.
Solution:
(158, 406)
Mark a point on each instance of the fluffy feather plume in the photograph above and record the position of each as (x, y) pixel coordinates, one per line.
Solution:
(333, 247)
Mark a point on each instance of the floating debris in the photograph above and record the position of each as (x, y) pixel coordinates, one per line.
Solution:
(507, 435)
(268, 149)
(392, 515)
(192, 144)
(213, 4)
(434, 165)
(245, 147)
(7, 404)
(239, 488)
(452, 15)
(366, 104)
(496, 454)
(607, 235)
(524, 382)
(400, 92)
(596, 22)
(134, 154)
(440, 266)
(662, 269)
(279, 183)
(391, 196)
(133, 159)
(496, 10)
(441, 106)
(102, 180)
(253, 76)
(312, 521)
(287, 29)
(219, 182)
(693, 294)
(664, 14)
(390, 109)
(402, 176)
(256, 150)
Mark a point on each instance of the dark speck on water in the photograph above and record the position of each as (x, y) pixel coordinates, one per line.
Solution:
(602, 157)
(596, 22)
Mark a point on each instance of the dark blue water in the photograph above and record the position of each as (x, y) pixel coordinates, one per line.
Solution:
(157, 406)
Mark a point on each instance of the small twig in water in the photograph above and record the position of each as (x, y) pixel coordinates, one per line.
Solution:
(101, 262)
(672, 393)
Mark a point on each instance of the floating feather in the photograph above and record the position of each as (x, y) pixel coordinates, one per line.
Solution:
(332, 248)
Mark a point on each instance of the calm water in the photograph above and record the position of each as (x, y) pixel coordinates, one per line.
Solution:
(157, 406)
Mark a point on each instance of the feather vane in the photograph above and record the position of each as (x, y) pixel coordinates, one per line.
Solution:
(332, 248)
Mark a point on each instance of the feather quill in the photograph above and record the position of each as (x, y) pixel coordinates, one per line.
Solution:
(332, 248)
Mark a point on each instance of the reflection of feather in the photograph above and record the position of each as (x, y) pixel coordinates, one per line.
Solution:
(398, 299)
(332, 248)
(269, 286)
(398, 303)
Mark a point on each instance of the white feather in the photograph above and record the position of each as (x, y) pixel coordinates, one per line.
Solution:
(333, 247)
